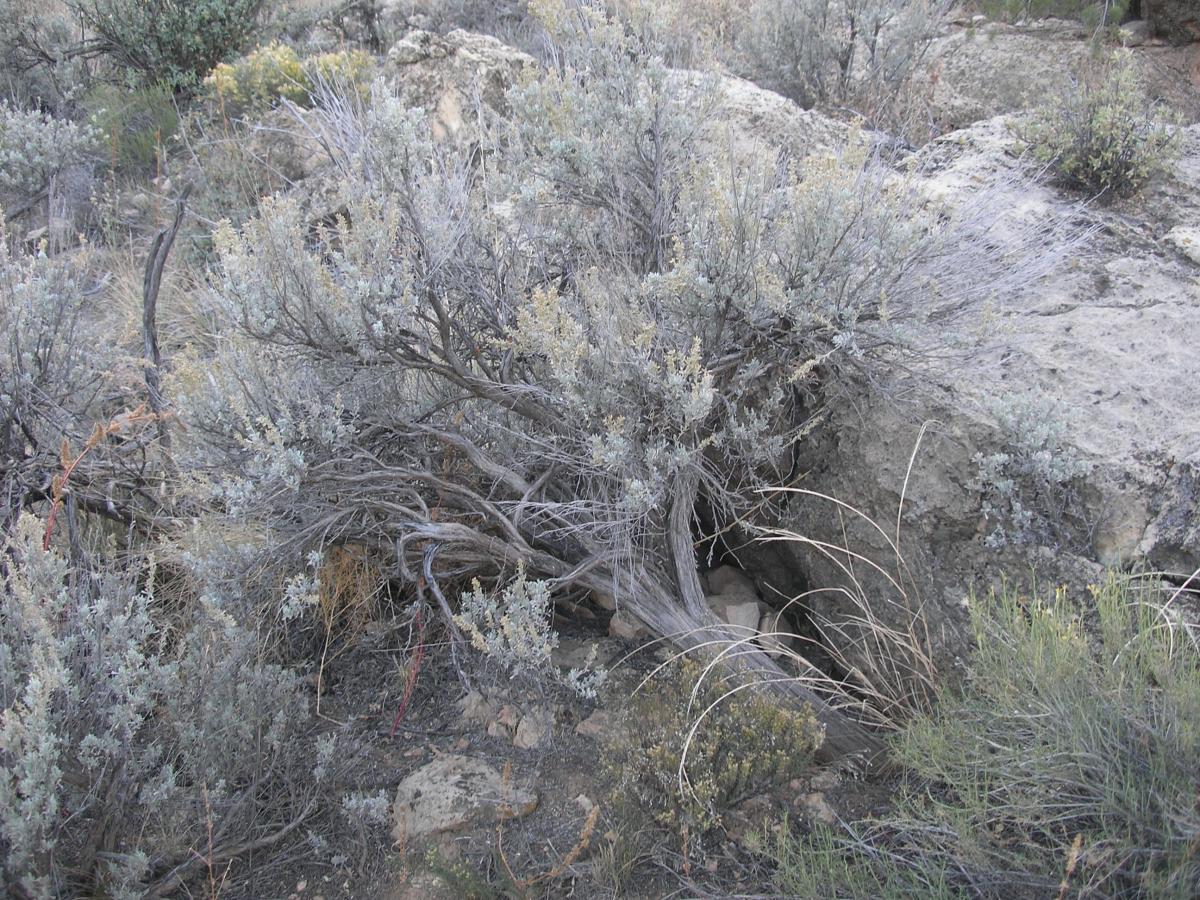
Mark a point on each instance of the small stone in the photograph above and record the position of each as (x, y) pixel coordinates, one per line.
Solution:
(477, 709)
(454, 792)
(534, 729)
(824, 780)
(604, 600)
(301, 886)
(584, 802)
(623, 625)
(816, 807)
(598, 724)
(741, 610)
(509, 716)
(1186, 240)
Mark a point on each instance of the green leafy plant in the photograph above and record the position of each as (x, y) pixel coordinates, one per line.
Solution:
(134, 127)
(1105, 135)
(176, 42)
(692, 746)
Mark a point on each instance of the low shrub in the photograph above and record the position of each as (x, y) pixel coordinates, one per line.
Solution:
(1029, 486)
(692, 746)
(276, 73)
(511, 628)
(176, 42)
(861, 53)
(126, 745)
(36, 148)
(1105, 135)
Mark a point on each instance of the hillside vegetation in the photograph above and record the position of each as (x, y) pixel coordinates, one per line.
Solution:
(407, 435)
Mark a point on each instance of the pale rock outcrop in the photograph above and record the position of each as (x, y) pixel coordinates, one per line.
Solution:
(1111, 337)
(455, 78)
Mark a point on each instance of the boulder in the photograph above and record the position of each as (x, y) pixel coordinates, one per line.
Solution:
(600, 725)
(728, 579)
(971, 76)
(627, 627)
(1177, 21)
(455, 792)
(453, 77)
(1108, 342)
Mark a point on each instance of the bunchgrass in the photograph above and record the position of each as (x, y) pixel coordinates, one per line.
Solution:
(1065, 765)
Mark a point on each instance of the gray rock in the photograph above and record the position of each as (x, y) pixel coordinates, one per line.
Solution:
(1111, 337)
(625, 626)
(1185, 239)
(450, 75)
(727, 579)
(1178, 21)
(534, 729)
(454, 792)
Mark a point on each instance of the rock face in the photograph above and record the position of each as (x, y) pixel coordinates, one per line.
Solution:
(453, 76)
(454, 792)
(1178, 21)
(1110, 339)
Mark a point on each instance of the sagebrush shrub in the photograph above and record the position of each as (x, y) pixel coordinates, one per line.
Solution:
(58, 379)
(858, 53)
(36, 148)
(548, 348)
(35, 64)
(1105, 135)
(1029, 484)
(511, 628)
(121, 741)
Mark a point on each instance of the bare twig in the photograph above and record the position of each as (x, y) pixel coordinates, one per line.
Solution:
(159, 250)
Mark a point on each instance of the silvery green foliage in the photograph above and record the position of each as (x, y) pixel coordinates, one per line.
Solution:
(370, 809)
(119, 741)
(34, 63)
(512, 626)
(1029, 485)
(36, 147)
(58, 378)
(858, 52)
(548, 355)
